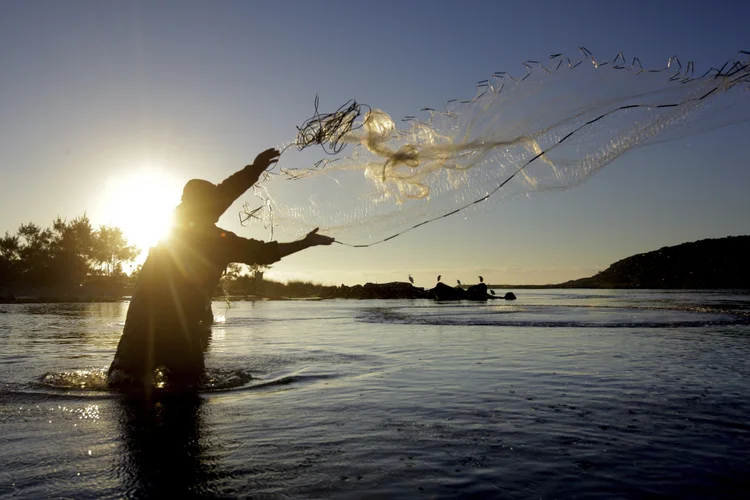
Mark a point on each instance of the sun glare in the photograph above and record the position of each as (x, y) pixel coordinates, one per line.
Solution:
(141, 204)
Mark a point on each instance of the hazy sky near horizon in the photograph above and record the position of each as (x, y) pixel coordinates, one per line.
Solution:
(98, 96)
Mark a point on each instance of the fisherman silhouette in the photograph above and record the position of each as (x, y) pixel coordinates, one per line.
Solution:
(168, 321)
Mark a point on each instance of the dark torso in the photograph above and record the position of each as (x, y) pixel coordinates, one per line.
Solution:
(168, 318)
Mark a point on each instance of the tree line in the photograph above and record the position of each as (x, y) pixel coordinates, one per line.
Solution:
(65, 254)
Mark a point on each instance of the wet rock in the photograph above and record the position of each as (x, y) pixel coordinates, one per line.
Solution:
(445, 292)
(477, 292)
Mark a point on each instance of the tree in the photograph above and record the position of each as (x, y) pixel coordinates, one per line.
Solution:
(10, 247)
(72, 249)
(111, 250)
(10, 256)
(76, 236)
(35, 254)
(63, 255)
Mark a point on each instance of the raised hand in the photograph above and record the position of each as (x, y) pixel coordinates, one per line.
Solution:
(265, 159)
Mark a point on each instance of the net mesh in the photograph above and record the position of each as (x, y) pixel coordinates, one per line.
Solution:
(549, 129)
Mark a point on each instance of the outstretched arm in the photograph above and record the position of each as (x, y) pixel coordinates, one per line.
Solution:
(248, 251)
(236, 184)
(312, 239)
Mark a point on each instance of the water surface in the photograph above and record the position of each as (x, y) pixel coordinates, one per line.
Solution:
(559, 394)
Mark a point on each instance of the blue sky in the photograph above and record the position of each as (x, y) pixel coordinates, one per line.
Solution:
(94, 91)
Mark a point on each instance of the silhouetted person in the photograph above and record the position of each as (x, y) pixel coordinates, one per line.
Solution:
(169, 317)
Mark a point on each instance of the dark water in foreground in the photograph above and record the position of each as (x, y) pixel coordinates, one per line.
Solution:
(561, 394)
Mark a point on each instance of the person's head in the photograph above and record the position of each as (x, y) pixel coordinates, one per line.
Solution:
(200, 202)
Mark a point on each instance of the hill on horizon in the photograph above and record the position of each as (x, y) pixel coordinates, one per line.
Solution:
(704, 264)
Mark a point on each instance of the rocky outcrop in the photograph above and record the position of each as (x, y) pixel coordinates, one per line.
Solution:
(477, 292)
(445, 292)
(402, 290)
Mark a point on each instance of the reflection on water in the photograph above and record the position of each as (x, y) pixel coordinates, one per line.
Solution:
(164, 444)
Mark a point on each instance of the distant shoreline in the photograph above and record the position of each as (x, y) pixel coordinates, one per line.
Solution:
(251, 298)
(60, 300)
(711, 264)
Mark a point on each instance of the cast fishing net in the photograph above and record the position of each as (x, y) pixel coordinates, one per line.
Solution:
(550, 128)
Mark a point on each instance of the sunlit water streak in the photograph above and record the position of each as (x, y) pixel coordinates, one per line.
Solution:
(560, 394)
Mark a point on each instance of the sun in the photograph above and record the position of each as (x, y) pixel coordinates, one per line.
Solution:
(141, 204)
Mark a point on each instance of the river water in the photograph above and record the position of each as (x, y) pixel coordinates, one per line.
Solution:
(559, 394)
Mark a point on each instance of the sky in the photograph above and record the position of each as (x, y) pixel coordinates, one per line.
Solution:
(111, 106)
